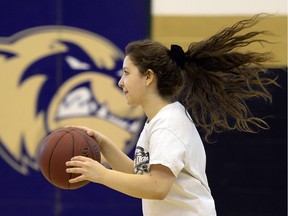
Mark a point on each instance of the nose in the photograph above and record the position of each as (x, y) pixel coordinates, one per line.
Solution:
(120, 83)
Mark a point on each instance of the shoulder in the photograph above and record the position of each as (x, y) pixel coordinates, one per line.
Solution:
(171, 117)
(175, 120)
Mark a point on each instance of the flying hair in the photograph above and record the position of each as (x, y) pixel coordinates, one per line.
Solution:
(216, 80)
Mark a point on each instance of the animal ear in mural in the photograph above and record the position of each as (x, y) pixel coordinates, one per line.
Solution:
(54, 76)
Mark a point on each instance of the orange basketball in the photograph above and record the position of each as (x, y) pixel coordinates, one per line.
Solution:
(58, 148)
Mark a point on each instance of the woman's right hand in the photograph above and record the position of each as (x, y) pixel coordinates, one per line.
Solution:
(115, 157)
(99, 137)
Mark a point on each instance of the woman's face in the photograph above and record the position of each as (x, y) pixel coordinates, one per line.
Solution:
(133, 83)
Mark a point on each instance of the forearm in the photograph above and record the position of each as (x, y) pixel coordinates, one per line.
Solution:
(139, 186)
(116, 158)
(155, 185)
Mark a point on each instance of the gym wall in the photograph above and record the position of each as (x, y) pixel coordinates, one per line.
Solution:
(60, 62)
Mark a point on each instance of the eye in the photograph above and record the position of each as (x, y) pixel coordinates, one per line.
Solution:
(124, 72)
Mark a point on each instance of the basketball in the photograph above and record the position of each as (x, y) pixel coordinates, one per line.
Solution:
(58, 148)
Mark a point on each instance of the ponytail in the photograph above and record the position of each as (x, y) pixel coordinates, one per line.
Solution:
(220, 79)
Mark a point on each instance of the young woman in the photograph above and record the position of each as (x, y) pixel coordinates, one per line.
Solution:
(207, 87)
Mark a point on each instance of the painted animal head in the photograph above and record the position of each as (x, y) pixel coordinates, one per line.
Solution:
(55, 76)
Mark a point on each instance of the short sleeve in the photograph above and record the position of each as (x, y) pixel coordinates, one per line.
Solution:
(166, 148)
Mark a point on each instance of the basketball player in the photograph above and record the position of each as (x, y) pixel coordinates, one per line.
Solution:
(207, 87)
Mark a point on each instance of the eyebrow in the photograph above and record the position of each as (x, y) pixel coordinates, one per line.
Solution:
(125, 69)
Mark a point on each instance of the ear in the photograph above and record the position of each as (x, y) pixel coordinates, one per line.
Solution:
(150, 77)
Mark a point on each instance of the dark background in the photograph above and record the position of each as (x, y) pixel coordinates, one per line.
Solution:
(248, 172)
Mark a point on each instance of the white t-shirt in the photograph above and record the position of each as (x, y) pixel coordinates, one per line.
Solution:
(172, 140)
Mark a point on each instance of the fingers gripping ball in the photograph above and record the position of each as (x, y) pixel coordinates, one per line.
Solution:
(58, 148)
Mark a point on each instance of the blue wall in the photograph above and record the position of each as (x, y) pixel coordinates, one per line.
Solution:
(24, 27)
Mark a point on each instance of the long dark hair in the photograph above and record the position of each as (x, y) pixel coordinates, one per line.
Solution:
(212, 79)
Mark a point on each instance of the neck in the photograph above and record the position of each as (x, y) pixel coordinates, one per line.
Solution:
(154, 106)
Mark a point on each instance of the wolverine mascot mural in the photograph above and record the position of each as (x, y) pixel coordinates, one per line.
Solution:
(55, 76)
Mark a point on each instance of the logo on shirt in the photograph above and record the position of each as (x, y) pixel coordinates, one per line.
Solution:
(141, 161)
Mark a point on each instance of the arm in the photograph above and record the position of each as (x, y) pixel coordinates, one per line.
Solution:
(117, 159)
(155, 185)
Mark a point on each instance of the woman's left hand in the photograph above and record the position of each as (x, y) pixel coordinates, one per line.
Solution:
(87, 168)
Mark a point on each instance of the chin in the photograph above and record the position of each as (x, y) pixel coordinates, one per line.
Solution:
(131, 103)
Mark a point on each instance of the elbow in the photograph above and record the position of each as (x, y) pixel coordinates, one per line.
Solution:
(160, 194)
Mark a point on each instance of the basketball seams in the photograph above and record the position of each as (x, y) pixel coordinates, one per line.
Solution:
(76, 134)
(90, 142)
(87, 140)
(52, 153)
(73, 154)
(50, 135)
